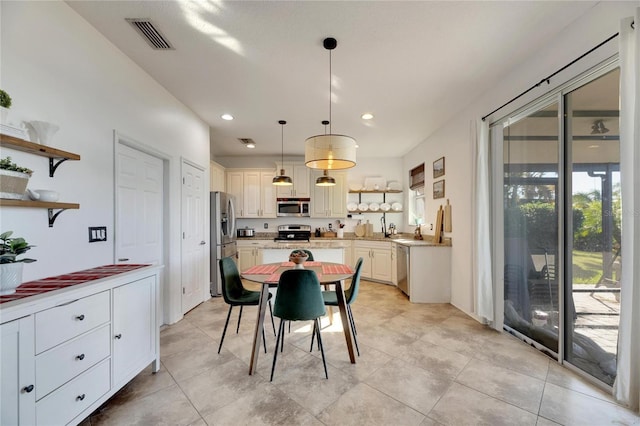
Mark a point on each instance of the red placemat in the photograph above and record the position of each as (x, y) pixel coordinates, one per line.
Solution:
(309, 263)
(32, 288)
(273, 278)
(261, 270)
(336, 269)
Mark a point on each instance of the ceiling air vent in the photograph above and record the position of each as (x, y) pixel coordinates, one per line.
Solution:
(248, 142)
(150, 33)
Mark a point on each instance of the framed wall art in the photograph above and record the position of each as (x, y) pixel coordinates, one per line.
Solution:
(438, 189)
(438, 167)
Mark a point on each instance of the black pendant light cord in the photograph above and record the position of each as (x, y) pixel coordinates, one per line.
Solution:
(330, 132)
(547, 79)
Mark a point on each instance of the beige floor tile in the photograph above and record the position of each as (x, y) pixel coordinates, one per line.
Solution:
(569, 407)
(508, 352)
(429, 422)
(215, 388)
(182, 365)
(168, 406)
(363, 405)
(561, 376)
(518, 389)
(385, 340)
(262, 405)
(185, 340)
(410, 385)
(437, 359)
(545, 422)
(367, 363)
(142, 385)
(465, 406)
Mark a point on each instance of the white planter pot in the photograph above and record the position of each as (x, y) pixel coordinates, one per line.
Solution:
(10, 277)
(13, 184)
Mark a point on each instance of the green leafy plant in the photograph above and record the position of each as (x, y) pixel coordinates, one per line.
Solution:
(7, 164)
(10, 248)
(5, 99)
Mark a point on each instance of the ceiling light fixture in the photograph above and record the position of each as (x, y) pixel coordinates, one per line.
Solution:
(248, 142)
(282, 179)
(330, 152)
(325, 179)
(367, 116)
(598, 128)
(227, 117)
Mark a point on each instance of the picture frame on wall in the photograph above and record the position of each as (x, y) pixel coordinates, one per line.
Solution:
(438, 167)
(438, 189)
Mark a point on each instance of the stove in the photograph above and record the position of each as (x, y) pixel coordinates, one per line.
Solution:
(293, 233)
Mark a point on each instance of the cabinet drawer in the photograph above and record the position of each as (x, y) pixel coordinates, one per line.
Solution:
(63, 405)
(59, 324)
(57, 366)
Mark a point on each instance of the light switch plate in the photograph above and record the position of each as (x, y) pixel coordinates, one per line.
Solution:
(97, 233)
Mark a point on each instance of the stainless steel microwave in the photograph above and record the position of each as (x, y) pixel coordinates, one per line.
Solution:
(297, 207)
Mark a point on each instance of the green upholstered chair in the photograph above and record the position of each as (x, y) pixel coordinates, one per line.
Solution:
(350, 294)
(310, 259)
(298, 298)
(235, 294)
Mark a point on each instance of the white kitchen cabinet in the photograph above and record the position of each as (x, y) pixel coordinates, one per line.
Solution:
(249, 254)
(254, 192)
(217, 176)
(299, 173)
(65, 353)
(429, 274)
(134, 328)
(376, 256)
(17, 372)
(329, 201)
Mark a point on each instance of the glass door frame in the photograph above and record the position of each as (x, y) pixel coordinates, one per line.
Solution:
(565, 219)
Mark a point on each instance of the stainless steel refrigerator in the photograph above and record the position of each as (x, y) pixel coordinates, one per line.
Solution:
(223, 235)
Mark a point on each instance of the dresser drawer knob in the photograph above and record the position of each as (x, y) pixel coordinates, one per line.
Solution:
(80, 317)
(118, 336)
(27, 389)
(80, 357)
(80, 397)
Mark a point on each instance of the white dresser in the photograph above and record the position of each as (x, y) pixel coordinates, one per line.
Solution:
(63, 353)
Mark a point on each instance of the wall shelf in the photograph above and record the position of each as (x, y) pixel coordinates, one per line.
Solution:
(366, 191)
(56, 156)
(60, 207)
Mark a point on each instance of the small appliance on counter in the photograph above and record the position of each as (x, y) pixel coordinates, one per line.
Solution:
(293, 233)
(246, 232)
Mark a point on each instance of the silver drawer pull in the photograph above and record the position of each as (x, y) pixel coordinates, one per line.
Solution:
(80, 397)
(80, 357)
(27, 389)
(80, 317)
(123, 259)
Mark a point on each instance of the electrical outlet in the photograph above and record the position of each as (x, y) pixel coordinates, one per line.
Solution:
(97, 233)
(266, 225)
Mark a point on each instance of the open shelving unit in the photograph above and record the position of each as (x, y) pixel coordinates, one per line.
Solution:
(384, 200)
(56, 157)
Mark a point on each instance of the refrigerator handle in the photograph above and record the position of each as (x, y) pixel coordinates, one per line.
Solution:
(232, 215)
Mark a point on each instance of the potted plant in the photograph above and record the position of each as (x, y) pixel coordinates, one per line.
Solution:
(10, 266)
(5, 104)
(13, 179)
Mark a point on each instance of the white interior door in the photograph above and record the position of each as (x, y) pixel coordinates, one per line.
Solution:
(139, 206)
(193, 233)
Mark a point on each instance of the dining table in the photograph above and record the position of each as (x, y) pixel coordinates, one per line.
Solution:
(269, 274)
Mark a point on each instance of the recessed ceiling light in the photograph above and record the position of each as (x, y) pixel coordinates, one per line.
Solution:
(227, 117)
(367, 116)
(250, 145)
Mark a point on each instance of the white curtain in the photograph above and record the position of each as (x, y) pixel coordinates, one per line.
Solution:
(481, 203)
(627, 384)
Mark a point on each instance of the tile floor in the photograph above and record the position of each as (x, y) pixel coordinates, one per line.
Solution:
(419, 365)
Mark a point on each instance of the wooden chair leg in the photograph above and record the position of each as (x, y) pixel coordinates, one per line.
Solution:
(225, 328)
(275, 353)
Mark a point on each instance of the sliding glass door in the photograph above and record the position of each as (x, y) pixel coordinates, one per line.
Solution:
(561, 206)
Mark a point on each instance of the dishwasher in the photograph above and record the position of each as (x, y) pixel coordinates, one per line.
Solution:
(403, 268)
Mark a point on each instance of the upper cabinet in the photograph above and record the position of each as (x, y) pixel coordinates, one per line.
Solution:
(254, 192)
(329, 201)
(218, 177)
(299, 173)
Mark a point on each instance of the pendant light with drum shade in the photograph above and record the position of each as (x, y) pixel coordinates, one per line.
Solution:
(325, 179)
(282, 179)
(330, 151)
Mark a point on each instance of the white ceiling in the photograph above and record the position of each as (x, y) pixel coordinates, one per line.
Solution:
(414, 65)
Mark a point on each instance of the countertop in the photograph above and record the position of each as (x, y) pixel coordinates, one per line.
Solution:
(405, 239)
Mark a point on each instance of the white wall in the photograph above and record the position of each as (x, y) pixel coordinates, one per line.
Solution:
(58, 68)
(454, 140)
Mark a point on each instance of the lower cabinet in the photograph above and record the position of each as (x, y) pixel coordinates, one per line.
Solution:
(249, 254)
(68, 353)
(394, 264)
(376, 256)
(17, 373)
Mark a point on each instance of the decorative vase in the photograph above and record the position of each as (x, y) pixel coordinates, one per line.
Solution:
(44, 130)
(340, 233)
(13, 184)
(10, 277)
